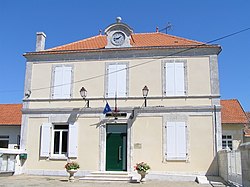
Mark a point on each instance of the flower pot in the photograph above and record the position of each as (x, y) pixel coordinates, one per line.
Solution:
(71, 174)
(143, 175)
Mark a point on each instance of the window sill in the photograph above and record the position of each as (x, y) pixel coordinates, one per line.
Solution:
(176, 159)
(58, 157)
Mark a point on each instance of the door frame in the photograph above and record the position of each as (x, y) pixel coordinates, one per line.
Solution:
(102, 145)
(121, 134)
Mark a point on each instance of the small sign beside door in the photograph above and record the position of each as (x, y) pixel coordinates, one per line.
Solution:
(137, 146)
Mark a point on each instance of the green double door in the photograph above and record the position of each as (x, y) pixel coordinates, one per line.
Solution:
(116, 147)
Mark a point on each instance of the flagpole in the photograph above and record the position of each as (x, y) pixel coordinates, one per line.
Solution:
(116, 102)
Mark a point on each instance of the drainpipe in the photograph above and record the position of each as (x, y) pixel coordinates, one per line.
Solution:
(215, 128)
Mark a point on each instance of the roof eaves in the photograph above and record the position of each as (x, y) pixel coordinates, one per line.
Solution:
(121, 49)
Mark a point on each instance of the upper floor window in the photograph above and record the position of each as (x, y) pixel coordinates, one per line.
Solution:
(175, 78)
(62, 78)
(116, 80)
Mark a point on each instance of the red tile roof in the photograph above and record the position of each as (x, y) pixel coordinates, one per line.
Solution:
(10, 114)
(155, 39)
(232, 112)
(248, 116)
(247, 128)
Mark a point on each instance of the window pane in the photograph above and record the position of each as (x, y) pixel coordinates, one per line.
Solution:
(4, 143)
(223, 137)
(4, 137)
(56, 142)
(61, 127)
(64, 142)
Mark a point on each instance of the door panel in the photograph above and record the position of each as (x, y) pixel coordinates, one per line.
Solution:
(116, 151)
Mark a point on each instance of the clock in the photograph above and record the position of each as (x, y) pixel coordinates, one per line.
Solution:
(118, 38)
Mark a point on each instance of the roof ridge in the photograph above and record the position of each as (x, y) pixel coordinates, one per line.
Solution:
(144, 33)
(11, 104)
(228, 99)
(182, 38)
(172, 36)
(242, 109)
(85, 39)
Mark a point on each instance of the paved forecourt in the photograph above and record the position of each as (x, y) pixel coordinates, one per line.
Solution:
(30, 180)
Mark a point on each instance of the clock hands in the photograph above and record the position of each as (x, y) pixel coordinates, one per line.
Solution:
(117, 38)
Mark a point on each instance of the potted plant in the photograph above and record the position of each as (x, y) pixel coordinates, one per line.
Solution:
(142, 169)
(72, 168)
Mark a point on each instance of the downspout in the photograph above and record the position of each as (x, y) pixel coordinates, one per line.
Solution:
(215, 128)
(216, 139)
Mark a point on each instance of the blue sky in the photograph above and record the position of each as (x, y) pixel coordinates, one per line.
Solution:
(67, 21)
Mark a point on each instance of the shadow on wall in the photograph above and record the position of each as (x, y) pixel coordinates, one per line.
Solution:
(213, 172)
(213, 169)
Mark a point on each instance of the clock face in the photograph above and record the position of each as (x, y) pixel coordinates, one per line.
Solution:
(118, 38)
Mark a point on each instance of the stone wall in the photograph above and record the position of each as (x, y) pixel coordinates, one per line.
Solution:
(223, 164)
(245, 163)
(242, 163)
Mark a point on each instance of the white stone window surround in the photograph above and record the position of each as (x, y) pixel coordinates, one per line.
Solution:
(164, 76)
(52, 90)
(175, 118)
(106, 83)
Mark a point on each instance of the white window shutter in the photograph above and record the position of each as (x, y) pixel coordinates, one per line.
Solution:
(66, 88)
(112, 78)
(170, 79)
(58, 80)
(181, 140)
(121, 80)
(179, 79)
(73, 140)
(171, 140)
(45, 139)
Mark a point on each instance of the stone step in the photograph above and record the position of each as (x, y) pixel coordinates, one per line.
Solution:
(107, 176)
(214, 181)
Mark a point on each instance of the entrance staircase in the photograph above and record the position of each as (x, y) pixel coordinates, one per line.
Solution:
(108, 176)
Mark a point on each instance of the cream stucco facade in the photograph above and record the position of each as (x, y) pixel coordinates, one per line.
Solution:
(197, 111)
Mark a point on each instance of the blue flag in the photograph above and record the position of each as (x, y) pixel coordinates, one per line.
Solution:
(107, 109)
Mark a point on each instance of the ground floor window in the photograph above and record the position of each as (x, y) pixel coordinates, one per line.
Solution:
(227, 141)
(176, 140)
(4, 141)
(59, 140)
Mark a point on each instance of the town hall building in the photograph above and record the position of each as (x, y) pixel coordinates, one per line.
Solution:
(113, 100)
